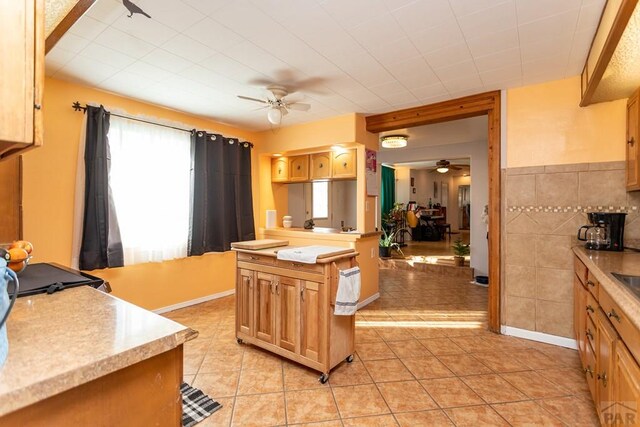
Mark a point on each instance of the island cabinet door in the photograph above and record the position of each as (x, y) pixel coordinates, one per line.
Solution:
(313, 321)
(625, 406)
(245, 300)
(265, 307)
(288, 314)
(606, 342)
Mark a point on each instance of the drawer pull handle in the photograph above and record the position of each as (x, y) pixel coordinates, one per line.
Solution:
(278, 287)
(613, 315)
(603, 377)
(589, 308)
(590, 283)
(297, 264)
(321, 166)
(302, 293)
(255, 258)
(588, 370)
(589, 334)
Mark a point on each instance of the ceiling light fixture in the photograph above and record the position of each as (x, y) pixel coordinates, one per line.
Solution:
(394, 141)
(443, 169)
(274, 115)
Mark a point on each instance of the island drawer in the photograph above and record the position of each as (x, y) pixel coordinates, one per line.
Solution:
(299, 266)
(261, 259)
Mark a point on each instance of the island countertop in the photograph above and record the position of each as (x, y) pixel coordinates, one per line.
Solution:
(60, 341)
(601, 264)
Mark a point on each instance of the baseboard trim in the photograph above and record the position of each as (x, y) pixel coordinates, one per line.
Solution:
(369, 300)
(539, 336)
(194, 301)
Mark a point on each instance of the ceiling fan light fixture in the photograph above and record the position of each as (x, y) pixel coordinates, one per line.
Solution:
(274, 115)
(394, 141)
(443, 169)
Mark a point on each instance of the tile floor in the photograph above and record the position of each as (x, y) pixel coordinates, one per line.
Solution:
(423, 358)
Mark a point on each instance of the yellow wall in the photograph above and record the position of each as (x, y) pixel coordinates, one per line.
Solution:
(546, 126)
(48, 197)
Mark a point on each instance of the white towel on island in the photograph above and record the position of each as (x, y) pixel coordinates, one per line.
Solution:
(348, 292)
(306, 254)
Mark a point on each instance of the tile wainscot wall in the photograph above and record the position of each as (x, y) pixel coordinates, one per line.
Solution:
(544, 207)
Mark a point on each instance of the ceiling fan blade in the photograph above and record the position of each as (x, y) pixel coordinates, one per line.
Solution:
(248, 98)
(299, 106)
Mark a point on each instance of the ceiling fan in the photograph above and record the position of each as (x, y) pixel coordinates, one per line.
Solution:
(278, 106)
(443, 166)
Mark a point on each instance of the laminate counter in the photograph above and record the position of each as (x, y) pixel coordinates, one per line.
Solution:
(73, 338)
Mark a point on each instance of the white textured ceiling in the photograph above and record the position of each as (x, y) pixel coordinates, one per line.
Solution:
(343, 56)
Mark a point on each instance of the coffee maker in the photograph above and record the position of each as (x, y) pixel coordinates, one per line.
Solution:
(605, 231)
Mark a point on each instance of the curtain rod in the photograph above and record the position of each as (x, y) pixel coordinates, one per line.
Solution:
(79, 107)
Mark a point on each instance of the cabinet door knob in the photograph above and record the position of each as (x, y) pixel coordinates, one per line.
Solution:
(321, 166)
(298, 167)
(590, 283)
(37, 106)
(603, 377)
(613, 315)
(344, 164)
(588, 370)
(589, 308)
(589, 334)
(631, 141)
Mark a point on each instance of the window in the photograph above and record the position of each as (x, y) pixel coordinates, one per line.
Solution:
(150, 182)
(320, 200)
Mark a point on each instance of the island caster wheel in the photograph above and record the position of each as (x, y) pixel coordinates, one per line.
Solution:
(239, 340)
(349, 358)
(323, 378)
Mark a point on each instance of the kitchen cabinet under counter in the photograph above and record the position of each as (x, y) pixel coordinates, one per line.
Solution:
(82, 357)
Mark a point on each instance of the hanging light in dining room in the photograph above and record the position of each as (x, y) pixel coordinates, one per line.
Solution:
(394, 141)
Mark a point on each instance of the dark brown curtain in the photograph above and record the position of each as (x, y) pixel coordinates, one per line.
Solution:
(101, 243)
(221, 206)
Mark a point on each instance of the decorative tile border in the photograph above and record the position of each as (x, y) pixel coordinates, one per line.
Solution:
(574, 209)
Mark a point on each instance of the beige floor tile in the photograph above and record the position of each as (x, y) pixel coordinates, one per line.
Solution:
(305, 406)
(220, 384)
(366, 334)
(222, 417)
(214, 363)
(570, 379)
(451, 392)
(298, 377)
(350, 374)
(334, 423)
(499, 361)
(259, 410)
(394, 333)
(493, 389)
(526, 414)
(405, 396)
(476, 416)
(387, 370)
(254, 381)
(439, 346)
(261, 359)
(192, 363)
(427, 367)
(374, 351)
(377, 421)
(571, 410)
(188, 379)
(534, 385)
(425, 418)
(409, 348)
(534, 359)
(359, 400)
(464, 364)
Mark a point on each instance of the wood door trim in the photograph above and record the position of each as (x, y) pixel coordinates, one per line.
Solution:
(74, 14)
(489, 104)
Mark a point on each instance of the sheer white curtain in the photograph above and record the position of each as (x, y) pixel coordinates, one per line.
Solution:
(150, 181)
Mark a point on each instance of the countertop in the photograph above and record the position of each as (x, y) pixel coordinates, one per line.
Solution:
(320, 232)
(341, 252)
(60, 341)
(602, 263)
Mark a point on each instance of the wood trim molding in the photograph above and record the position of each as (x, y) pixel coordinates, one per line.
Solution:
(489, 104)
(74, 14)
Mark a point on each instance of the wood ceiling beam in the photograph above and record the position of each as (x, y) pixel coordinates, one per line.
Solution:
(74, 14)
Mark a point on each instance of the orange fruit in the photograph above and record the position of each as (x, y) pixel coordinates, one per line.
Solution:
(19, 266)
(23, 244)
(18, 254)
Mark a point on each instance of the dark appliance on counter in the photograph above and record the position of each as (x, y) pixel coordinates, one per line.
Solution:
(50, 278)
(605, 231)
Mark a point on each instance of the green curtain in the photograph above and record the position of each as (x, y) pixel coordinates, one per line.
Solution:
(388, 191)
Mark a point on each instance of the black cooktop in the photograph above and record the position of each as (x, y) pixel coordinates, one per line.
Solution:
(49, 277)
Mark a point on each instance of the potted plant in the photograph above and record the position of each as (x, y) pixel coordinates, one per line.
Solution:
(460, 250)
(387, 242)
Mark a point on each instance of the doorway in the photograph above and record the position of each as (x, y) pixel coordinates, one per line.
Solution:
(488, 104)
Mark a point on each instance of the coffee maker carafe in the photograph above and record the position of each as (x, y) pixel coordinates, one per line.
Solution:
(605, 231)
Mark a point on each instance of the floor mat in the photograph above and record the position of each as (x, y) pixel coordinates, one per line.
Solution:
(196, 406)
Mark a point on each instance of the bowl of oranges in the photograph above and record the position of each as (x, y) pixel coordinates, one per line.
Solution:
(17, 255)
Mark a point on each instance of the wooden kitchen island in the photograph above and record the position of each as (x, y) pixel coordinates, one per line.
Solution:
(80, 357)
(287, 307)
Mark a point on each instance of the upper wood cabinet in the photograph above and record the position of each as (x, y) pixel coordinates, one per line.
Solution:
(22, 71)
(321, 165)
(280, 169)
(299, 168)
(344, 164)
(632, 157)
